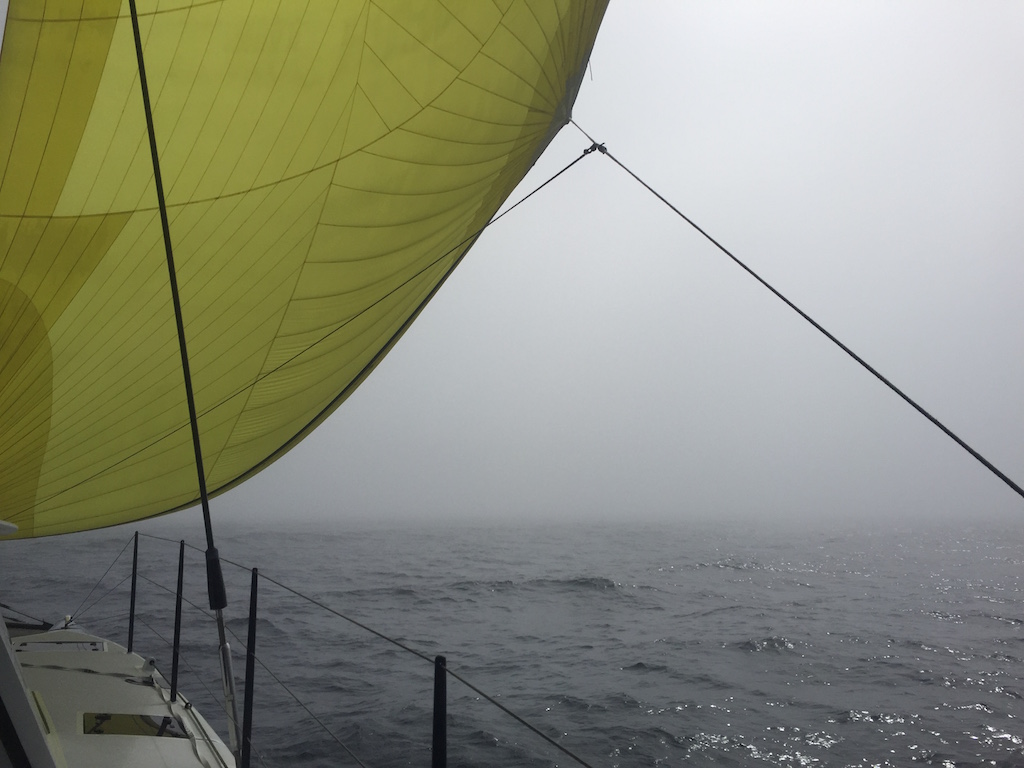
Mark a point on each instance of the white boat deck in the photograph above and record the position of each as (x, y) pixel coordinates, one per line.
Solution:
(101, 706)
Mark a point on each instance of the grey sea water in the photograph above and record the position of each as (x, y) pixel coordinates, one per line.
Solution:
(702, 644)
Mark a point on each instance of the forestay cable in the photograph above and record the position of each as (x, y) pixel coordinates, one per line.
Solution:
(949, 433)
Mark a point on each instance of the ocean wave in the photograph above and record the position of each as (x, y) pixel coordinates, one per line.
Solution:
(772, 643)
(498, 585)
(642, 667)
(577, 583)
(866, 716)
(732, 565)
(579, 705)
(705, 612)
(566, 584)
(625, 674)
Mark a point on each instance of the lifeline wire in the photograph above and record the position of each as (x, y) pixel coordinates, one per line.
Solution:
(183, 660)
(94, 586)
(513, 715)
(101, 598)
(372, 631)
(21, 613)
(423, 656)
(213, 696)
(949, 433)
(206, 614)
(309, 712)
(268, 670)
(382, 636)
(288, 690)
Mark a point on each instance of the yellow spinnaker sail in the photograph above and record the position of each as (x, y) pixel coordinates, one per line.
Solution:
(326, 164)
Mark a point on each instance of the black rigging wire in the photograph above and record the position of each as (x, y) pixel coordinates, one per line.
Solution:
(173, 283)
(260, 661)
(405, 648)
(24, 615)
(595, 146)
(427, 658)
(214, 697)
(97, 584)
(874, 372)
(309, 712)
(101, 598)
(466, 241)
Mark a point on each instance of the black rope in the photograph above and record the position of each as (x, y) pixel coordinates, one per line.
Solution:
(949, 433)
(214, 577)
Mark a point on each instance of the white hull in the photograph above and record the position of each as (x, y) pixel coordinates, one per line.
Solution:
(92, 704)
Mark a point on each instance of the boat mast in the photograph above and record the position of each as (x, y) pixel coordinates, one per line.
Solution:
(214, 575)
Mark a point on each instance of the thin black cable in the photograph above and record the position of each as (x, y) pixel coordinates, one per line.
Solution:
(101, 598)
(213, 696)
(382, 636)
(110, 619)
(184, 599)
(315, 602)
(308, 711)
(340, 615)
(94, 586)
(175, 541)
(168, 250)
(325, 337)
(516, 717)
(949, 433)
(242, 645)
(21, 613)
(206, 614)
(423, 656)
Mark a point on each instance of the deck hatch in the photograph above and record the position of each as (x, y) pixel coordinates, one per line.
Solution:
(114, 724)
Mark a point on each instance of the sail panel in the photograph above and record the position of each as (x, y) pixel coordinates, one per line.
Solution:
(326, 166)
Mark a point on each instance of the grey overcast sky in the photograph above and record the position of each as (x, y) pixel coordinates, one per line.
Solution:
(595, 358)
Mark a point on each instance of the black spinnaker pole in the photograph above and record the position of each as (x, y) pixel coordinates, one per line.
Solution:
(214, 575)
